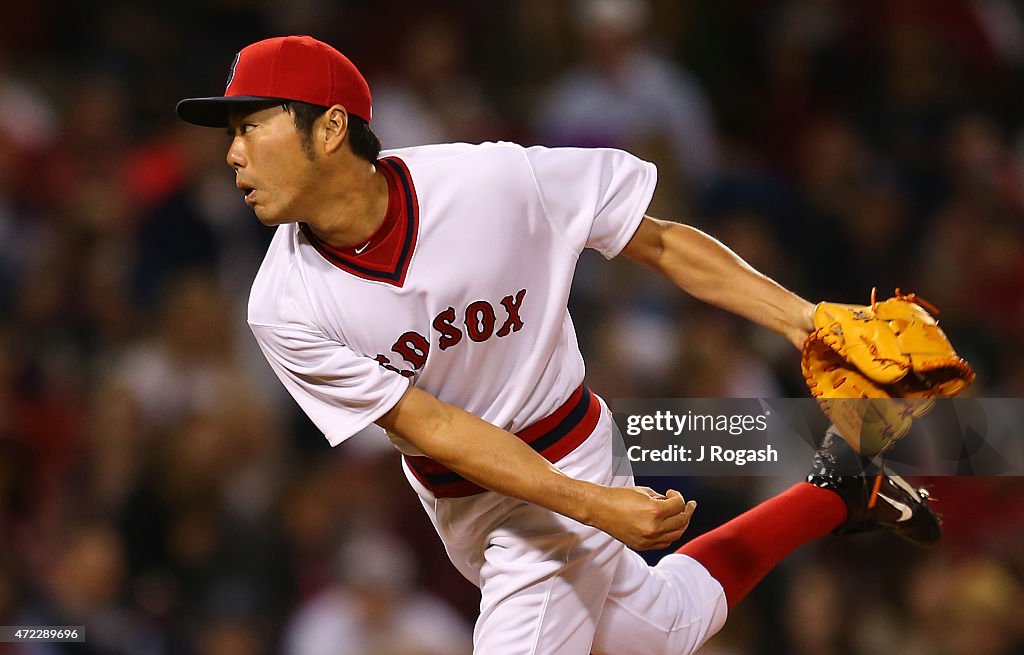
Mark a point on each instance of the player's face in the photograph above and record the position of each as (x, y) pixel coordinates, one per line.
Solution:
(271, 168)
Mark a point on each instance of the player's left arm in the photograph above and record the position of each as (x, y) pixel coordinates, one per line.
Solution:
(705, 268)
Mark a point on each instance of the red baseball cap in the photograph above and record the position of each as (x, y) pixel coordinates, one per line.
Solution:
(297, 68)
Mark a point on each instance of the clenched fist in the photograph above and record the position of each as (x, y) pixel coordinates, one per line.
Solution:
(642, 518)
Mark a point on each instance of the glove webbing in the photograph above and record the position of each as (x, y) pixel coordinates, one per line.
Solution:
(910, 297)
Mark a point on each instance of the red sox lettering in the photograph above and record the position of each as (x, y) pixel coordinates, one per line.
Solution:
(478, 322)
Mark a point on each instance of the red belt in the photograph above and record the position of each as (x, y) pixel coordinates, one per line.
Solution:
(554, 437)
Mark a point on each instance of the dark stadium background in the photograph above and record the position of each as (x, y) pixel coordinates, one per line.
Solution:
(158, 488)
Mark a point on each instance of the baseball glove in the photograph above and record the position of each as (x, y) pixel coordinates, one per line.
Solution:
(875, 368)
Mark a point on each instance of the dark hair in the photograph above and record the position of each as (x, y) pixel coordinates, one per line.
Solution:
(364, 142)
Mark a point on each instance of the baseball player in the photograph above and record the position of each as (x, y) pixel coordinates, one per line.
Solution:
(425, 290)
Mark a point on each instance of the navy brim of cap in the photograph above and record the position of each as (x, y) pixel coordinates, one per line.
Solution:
(213, 112)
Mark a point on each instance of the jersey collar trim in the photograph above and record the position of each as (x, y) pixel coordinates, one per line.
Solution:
(388, 259)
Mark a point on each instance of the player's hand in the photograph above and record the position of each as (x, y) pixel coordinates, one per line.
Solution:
(642, 518)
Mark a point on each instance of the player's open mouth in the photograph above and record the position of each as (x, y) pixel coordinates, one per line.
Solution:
(246, 190)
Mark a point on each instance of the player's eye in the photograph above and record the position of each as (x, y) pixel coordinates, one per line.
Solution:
(244, 128)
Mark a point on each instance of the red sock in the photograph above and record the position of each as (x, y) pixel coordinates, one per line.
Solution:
(740, 553)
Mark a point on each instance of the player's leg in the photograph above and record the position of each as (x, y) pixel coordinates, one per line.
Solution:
(874, 500)
(844, 493)
(672, 607)
(741, 552)
(543, 578)
(544, 581)
(675, 606)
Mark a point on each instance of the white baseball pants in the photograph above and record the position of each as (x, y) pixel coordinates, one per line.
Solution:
(552, 586)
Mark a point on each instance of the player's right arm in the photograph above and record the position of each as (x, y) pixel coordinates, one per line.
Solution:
(498, 460)
(343, 392)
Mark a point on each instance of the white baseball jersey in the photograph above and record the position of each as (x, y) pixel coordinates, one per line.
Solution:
(461, 292)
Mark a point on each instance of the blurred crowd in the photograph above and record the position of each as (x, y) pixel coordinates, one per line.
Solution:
(158, 487)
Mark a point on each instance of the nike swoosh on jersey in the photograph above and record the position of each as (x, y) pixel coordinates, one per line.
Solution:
(905, 510)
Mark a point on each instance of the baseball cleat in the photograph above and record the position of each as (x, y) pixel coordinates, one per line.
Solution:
(874, 500)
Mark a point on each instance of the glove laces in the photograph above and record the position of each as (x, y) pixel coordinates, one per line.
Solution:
(910, 297)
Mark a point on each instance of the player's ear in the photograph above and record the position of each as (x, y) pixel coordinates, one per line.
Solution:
(335, 128)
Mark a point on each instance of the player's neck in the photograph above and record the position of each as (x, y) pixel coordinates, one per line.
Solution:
(353, 206)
